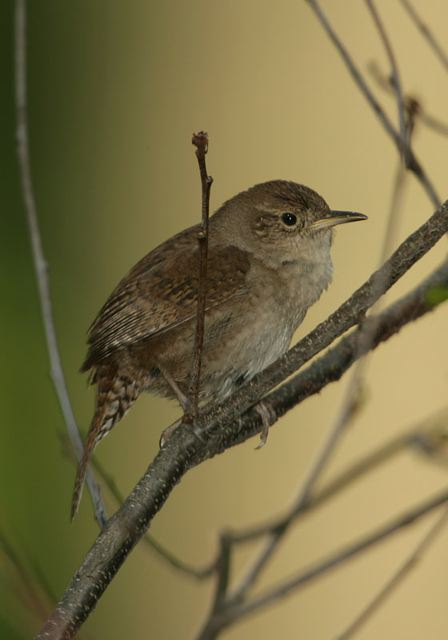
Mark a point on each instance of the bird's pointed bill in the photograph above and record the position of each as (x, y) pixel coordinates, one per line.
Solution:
(337, 217)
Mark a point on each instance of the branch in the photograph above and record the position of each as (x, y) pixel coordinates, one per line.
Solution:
(200, 140)
(413, 106)
(395, 77)
(39, 262)
(426, 33)
(220, 431)
(304, 578)
(412, 162)
(409, 563)
(353, 473)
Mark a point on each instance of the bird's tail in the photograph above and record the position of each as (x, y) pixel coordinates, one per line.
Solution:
(115, 397)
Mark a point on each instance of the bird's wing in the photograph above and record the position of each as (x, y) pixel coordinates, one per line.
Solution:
(160, 293)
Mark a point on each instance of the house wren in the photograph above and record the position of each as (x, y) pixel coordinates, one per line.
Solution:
(268, 261)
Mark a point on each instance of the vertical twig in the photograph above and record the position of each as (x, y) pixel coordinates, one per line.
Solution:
(395, 80)
(40, 265)
(426, 32)
(408, 564)
(200, 141)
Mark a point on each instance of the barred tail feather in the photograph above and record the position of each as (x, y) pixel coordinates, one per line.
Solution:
(115, 397)
(101, 425)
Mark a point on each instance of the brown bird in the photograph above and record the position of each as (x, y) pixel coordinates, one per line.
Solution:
(268, 261)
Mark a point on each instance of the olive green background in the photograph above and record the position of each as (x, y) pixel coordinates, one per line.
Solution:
(115, 91)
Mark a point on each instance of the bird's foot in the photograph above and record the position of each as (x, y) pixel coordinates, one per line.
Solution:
(268, 417)
(168, 432)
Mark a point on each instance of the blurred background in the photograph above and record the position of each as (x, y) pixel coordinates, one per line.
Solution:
(115, 91)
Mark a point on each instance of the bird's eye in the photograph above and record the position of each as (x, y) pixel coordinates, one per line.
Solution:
(289, 219)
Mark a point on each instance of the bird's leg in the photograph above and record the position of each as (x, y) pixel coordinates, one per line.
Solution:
(268, 417)
(168, 432)
(184, 401)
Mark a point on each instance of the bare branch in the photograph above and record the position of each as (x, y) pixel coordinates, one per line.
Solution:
(40, 265)
(200, 140)
(396, 579)
(352, 474)
(395, 77)
(412, 162)
(304, 578)
(184, 450)
(426, 33)
(414, 108)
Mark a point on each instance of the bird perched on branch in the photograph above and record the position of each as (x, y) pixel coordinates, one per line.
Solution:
(268, 262)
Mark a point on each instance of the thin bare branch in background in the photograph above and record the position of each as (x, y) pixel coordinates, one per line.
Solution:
(426, 32)
(413, 106)
(396, 579)
(395, 77)
(39, 262)
(413, 163)
(200, 141)
(337, 559)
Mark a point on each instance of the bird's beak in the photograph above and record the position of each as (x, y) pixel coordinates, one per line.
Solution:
(337, 217)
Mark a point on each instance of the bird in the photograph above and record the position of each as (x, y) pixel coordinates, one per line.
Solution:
(269, 260)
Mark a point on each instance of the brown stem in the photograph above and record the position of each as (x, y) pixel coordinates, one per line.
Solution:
(200, 140)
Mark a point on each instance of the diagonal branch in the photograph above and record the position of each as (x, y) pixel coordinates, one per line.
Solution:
(395, 580)
(426, 32)
(413, 163)
(304, 578)
(184, 450)
(39, 262)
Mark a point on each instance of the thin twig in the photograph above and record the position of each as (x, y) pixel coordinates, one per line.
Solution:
(395, 580)
(223, 567)
(352, 474)
(413, 106)
(426, 32)
(395, 78)
(413, 163)
(304, 578)
(427, 437)
(39, 262)
(200, 141)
